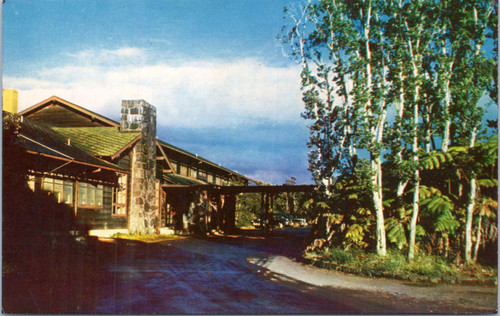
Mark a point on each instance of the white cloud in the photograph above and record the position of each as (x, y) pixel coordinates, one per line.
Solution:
(202, 93)
(122, 54)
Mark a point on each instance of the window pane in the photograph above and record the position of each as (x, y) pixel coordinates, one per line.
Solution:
(58, 188)
(202, 175)
(98, 195)
(91, 195)
(184, 171)
(117, 196)
(68, 192)
(123, 196)
(120, 196)
(83, 194)
(31, 183)
(48, 184)
(58, 192)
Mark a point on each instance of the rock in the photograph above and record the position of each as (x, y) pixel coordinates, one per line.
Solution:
(450, 280)
(435, 279)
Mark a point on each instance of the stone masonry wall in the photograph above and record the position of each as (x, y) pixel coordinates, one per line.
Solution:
(138, 115)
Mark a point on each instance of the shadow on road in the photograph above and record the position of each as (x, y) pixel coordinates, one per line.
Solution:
(249, 272)
(289, 242)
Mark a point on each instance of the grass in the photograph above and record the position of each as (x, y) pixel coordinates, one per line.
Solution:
(145, 238)
(395, 263)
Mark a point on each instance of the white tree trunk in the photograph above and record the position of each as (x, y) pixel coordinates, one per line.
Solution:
(376, 135)
(468, 222)
(414, 219)
(416, 190)
(447, 103)
(379, 209)
(377, 191)
(416, 193)
(478, 238)
(470, 208)
(403, 182)
(447, 124)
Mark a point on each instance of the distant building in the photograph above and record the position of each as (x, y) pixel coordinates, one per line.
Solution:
(114, 175)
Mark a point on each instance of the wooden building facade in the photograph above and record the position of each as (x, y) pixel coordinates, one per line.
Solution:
(108, 171)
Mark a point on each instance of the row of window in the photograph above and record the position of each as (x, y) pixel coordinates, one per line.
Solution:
(194, 173)
(89, 195)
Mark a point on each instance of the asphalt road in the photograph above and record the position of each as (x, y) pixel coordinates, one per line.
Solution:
(258, 275)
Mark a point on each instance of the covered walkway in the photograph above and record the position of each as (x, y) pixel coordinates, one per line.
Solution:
(217, 204)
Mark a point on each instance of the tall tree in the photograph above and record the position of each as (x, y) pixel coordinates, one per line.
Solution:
(417, 29)
(404, 78)
(341, 50)
(474, 73)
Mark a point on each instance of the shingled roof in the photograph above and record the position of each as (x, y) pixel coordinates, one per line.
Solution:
(182, 180)
(41, 139)
(99, 141)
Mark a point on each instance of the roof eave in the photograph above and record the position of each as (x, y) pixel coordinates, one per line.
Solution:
(54, 98)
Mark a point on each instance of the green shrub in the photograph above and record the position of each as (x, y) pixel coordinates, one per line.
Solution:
(394, 263)
(244, 219)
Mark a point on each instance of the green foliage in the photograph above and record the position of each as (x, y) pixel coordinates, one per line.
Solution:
(346, 218)
(396, 231)
(394, 263)
(355, 234)
(427, 62)
(435, 159)
(487, 183)
(244, 218)
(249, 202)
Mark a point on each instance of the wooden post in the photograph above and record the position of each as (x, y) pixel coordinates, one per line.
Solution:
(267, 216)
(262, 210)
(218, 213)
(208, 214)
(230, 205)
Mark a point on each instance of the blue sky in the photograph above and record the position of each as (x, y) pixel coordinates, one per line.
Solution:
(213, 69)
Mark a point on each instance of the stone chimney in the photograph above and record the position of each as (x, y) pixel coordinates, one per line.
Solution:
(140, 116)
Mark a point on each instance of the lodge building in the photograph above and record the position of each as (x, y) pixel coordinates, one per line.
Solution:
(115, 176)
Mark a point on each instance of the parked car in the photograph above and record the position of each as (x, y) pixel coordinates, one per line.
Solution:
(256, 222)
(283, 219)
(299, 222)
(278, 220)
